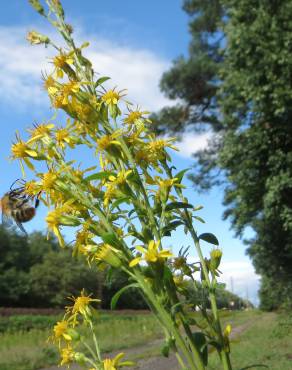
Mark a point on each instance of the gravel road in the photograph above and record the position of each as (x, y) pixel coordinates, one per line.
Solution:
(152, 363)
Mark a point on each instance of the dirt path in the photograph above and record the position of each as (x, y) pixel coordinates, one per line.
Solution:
(143, 355)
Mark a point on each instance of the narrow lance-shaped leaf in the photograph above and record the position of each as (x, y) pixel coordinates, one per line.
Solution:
(116, 297)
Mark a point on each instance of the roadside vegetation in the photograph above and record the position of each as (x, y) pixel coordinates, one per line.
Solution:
(261, 340)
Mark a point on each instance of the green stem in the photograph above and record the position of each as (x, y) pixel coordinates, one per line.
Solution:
(171, 325)
(95, 342)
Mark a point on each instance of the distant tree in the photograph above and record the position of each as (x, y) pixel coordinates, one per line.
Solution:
(248, 106)
(131, 298)
(35, 272)
(58, 277)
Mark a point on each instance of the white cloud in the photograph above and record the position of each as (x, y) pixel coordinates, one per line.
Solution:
(240, 277)
(192, 142)
(138, 71)
(20, 66)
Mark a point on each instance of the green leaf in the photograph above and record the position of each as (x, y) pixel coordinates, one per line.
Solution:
(198, 208)
(176, 205)
(180, 174)
(99, 176)
(199, 219)
(111, 239)
(117, 202)
(209, 238)
(165, 350)
(116, 297)
(101, 81)
(201, 343)
(170, 227)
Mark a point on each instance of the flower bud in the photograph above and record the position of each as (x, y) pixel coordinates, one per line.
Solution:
(109, 255)
(37, 6)
(36, 38)
(79, 357)
(58, 7)
(215, 255)
(73, 334)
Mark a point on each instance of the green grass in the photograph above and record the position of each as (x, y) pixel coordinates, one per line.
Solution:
(28, 350)
(266, 344)
(266, 341)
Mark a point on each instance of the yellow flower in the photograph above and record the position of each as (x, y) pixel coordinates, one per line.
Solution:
(120, 178)
(32, 188)
(21, 150)
(104, 142)
(61, 331)
(59, 216)
(157, 147)
(50, 86)
(215, 255)
(227, 331)
(151, 254)
(111, 97)
(165, 186)
(60, 62)
(69, 89)
(48, 181)
(81, 306)
(53, 220)
(63, 137)
(115, 363)
(67, 355)
(110, 193)
(135, 116)
(40, 131)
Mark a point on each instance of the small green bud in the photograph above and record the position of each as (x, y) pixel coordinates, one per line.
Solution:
(79, 358)
(74, 335)
(37, 6)
(69, 221)
(58, 7)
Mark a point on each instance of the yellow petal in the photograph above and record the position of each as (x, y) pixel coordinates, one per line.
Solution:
(141, 249)
(31, 153)
(135, 261)
(165, 254)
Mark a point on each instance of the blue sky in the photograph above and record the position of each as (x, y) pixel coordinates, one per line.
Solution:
(133, 42)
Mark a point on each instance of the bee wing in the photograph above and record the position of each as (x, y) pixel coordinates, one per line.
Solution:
(6, 220)
(19, 224)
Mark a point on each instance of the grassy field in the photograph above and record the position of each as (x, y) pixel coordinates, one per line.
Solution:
(266, 343)
(261, 341)
(29, 350)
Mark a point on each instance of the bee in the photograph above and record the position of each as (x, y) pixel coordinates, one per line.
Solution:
(18, 207)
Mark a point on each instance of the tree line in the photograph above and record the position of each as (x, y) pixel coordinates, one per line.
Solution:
(235, 83)
(36, 272)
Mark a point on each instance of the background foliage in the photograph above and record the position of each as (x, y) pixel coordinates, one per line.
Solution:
(36, 272)
(236, 83)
